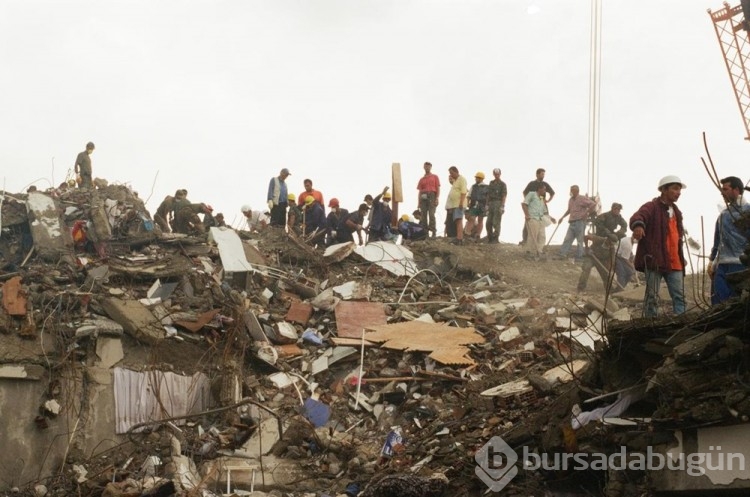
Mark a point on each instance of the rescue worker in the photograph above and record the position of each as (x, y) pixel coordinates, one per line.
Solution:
(82, 166)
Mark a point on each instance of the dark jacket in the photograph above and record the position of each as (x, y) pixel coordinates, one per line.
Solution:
(652, 248)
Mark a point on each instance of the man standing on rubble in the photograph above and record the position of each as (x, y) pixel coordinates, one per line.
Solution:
(729, 240)
(477, 207)
(534, 186)
(294, 216)
(456, 204)
(277, 198)
(497, 192)
(579, 209)
(534, 209)
(82, 166)
(310, 192)
(657, 226)
(427, 200)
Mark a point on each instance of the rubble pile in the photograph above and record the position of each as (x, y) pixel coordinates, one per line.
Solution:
(148, 363)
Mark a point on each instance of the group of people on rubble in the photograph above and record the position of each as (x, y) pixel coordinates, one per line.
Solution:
(657, 226)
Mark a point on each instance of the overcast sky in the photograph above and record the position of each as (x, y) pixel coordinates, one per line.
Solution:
(218, 96)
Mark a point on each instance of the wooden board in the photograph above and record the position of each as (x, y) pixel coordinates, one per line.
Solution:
(299, 312)
(398, 192)
(352, 317)
(446, 344)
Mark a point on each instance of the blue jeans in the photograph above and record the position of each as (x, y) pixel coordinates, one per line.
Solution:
(676, 286)
(576, 231)
(720, 289)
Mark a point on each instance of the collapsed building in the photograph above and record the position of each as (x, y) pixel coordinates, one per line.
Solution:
(136, 362)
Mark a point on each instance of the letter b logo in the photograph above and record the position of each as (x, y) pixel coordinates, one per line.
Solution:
(496, 464)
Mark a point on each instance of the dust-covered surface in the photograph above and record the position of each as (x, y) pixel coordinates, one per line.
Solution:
(284, 385)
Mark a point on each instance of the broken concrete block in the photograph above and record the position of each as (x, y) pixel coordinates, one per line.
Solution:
(338, 252)
(51, 238)
(354, 290)
(509, 334)
(109, 351)
(99, 325)
(565, 372)
(22, 371)
(136, 319)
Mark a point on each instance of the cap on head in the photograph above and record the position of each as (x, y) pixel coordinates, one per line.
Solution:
(334, 202)
(285, 171)
(291, 197)
(208, 208)
(496, 171)
(364, 207)
(246, 208)
(309, 200)
(405, 217)
(479, 175)
(668, 180)
(387, 196)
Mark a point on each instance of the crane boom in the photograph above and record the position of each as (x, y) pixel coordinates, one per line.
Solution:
(732, 32)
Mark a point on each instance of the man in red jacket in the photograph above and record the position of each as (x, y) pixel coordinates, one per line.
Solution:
(658, 227)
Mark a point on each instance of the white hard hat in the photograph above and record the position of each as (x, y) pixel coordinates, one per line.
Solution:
(666, 180)
(246, 208)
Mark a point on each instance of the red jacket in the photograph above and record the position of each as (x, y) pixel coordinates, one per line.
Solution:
(652, 248)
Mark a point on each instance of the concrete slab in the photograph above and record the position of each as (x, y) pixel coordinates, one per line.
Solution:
(109, 351)
(135, 318)
(98, 326)
(51, 237)
(22, 371)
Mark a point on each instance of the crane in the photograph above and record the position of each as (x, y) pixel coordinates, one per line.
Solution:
(732, 27)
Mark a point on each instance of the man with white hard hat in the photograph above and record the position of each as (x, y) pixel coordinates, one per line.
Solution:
(657, 225)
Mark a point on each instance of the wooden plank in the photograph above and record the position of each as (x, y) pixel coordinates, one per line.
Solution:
(299, 312)
(398, 192)
(352, 317)
(14, 297)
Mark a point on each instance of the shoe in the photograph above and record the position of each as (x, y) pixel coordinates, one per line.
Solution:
(457, 242)
(493, 241)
